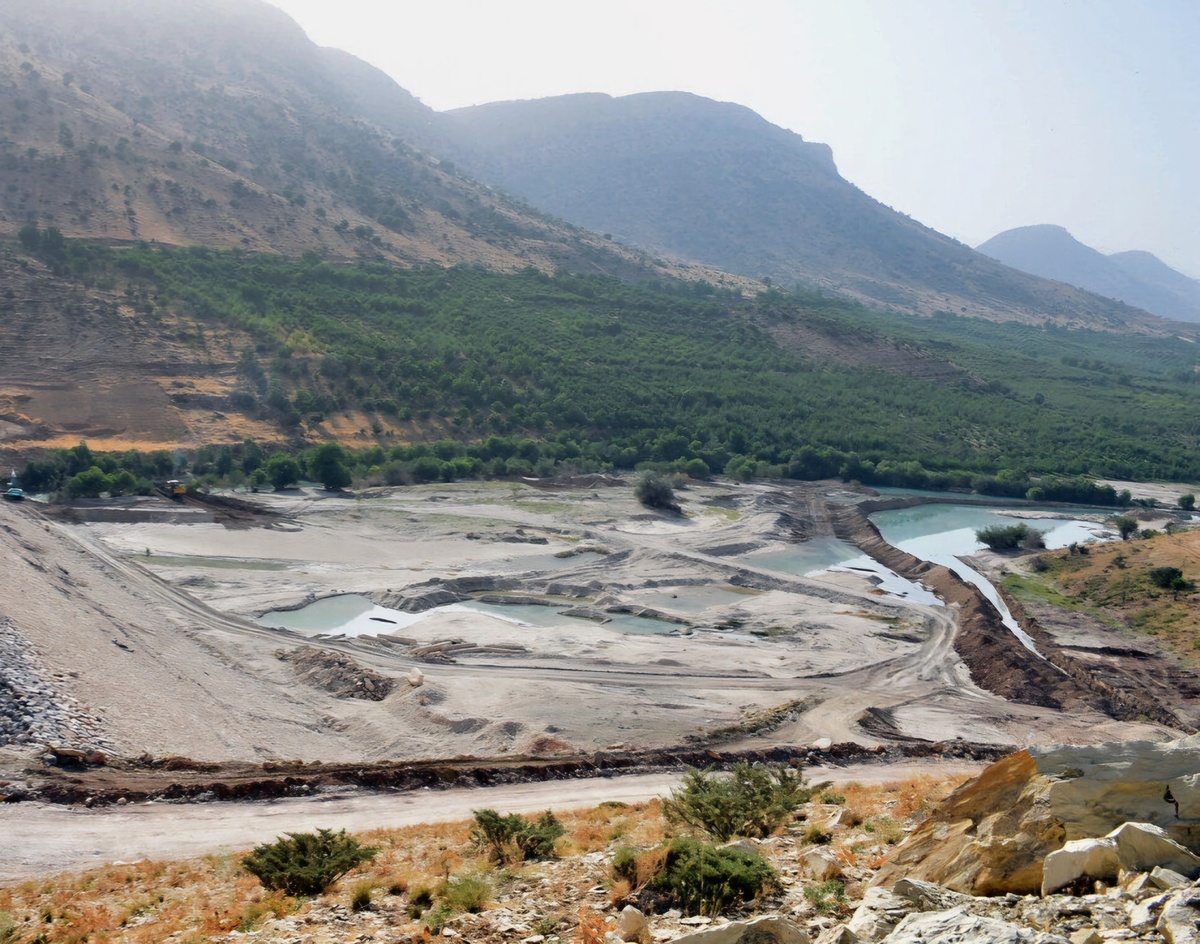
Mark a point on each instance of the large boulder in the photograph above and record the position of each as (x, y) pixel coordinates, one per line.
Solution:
(1131, 847)
(632, 926)
(991, 835)
(1093, 858)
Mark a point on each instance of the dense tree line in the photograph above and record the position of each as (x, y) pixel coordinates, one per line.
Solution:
(528, 372)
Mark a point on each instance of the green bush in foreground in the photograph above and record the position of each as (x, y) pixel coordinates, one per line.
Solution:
(307, 863)
(753, 801)
(513, 838)
(699, 877)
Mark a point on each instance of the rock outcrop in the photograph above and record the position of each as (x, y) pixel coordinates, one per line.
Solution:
(921, 913)
(769, 929)
(992, 835)
(1132, 847)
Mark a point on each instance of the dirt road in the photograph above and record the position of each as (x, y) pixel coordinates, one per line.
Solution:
(43, 839)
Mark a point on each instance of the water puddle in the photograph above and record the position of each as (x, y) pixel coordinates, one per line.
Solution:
(889, 581)
(218, 563)
(348, 615)
(821, 555)
(803, 559)
(693, 600)
(354, 615)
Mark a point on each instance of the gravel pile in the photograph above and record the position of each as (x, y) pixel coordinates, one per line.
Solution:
(33, 707)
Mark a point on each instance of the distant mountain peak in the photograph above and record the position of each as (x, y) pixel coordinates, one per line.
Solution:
(1135, 277)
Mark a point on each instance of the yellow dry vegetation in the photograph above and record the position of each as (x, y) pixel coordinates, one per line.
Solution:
(1112, 581)
(199, 899)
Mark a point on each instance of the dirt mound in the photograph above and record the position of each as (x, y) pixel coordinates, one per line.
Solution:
(337, 674)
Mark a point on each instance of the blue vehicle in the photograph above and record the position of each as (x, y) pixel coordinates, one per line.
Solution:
(15, 492)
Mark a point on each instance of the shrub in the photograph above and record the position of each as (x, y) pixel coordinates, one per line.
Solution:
(1010, 537)
(1126, 526)
(816, 836)
(1165, 576)
(827, 898)
(360, 898)
(465, 894)
(306, 863)
(513, 838)
(638, 869)
(702, 878)
(753, 801)
(422, 898)
(653, 491)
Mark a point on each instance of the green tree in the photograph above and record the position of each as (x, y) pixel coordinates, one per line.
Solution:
(1125, 526)
(1165, 577)
(702, 878)
(653, 491)
(513, 838)
(1187, 502)
(88, 484)
(1007, 537)
(283, 471)
(328, 466)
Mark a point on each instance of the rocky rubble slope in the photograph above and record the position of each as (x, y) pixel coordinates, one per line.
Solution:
(33, 708)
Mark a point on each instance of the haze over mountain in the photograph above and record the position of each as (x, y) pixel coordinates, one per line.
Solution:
(1138, 278)
(218, 123)
(713, 182)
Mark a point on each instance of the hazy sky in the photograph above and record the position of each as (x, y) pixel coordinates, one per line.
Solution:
(973, 116)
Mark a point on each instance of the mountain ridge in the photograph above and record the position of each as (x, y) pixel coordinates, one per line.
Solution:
(224, 126)
(716, 183)
(1136, 277)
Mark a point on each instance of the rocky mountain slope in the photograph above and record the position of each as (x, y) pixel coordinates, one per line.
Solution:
(1137, 278)
(713, 182)
(219, 123)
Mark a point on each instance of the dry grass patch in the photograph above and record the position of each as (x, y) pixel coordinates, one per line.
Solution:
(1113, 582)
(431, 876)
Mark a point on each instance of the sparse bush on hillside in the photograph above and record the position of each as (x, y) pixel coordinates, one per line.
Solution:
(466, 893)
(753, 801)
(1165, 577)
(513, 838)
(1126, 526)
(827, 898)
(307, 863)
